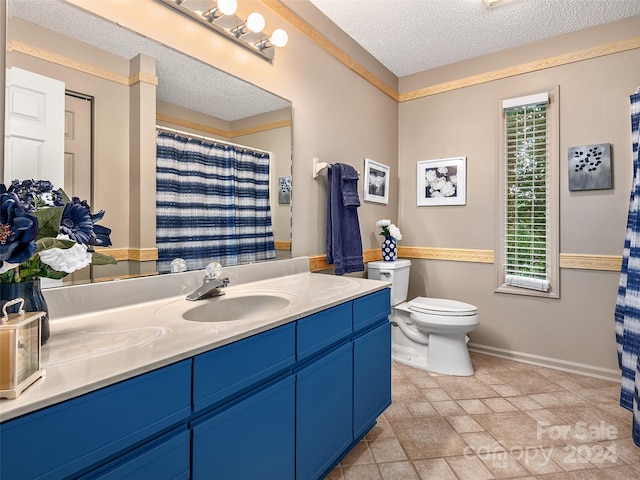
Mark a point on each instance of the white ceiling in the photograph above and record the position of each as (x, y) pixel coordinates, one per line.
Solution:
(410, 36)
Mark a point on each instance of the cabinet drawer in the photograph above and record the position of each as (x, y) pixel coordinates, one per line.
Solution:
(170, 459)
(252, 439)
(227, 371)
(322, 329)
(61, 440)
(371, 308)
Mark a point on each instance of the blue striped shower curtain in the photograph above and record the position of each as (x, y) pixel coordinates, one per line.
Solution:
(627, 314)
(212, 203)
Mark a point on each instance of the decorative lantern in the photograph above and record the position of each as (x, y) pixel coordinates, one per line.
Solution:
(19, 349)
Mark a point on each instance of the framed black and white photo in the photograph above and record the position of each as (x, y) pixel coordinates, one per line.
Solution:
(442, 182)
(376, 182)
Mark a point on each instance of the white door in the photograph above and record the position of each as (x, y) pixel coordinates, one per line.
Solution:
(34, 128)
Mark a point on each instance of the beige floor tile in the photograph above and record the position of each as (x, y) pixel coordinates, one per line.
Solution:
(503, 465)
(590, 382)
(505, 390)
(536, 461)
(387, 450)
(382, 429)
(435, 468)
(514, 430)
(398, 471)
(547, 400)
(571, 457)
(397, 410)
(624, 449)
(599, 395)
(524, 402)
(464, 387)
(489, 379)
(469, 468)
(499, 405)
(621, 472)
(422, 409)
(481, 443)
(405, 391)
(335, 474)
(362, 472)
(474, 406)
(464, 424)
(509, 420)
(448, 407)
(427, 437)
(435, 394)
(530, 383)
(570, 398)
(594, 474)
(359, 455)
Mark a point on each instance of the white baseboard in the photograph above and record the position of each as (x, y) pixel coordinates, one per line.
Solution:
(547, 362)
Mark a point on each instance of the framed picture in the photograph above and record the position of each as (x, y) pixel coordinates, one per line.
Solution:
(590, 167)
(376, 182)
(284, 190)
(442, 182)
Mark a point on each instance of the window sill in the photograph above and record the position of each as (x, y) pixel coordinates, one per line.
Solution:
(504, 288)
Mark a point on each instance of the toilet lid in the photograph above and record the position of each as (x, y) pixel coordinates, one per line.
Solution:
(441, 306)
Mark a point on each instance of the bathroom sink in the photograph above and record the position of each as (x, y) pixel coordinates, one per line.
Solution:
(236, 307)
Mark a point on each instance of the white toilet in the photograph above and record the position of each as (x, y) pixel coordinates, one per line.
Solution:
(427, 333)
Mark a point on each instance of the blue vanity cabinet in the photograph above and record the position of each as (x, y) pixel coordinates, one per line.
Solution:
(284, 404)
(228, 371)
(245, 391)
(371, 360)
(68, 438)
(371, 377)
(324, 412)
(324, 383)
(251, 438)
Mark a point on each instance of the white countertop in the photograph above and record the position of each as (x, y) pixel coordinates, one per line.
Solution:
(90, 351)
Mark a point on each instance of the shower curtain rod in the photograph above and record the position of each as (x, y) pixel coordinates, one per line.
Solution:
(209, 139)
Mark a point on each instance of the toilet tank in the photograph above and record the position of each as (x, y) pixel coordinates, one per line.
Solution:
(395, 272)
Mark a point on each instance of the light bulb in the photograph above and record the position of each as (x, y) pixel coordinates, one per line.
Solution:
(279, 37)
(255, 22)
(228, 7)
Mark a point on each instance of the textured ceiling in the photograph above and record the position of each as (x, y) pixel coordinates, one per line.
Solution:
(182, 80)
(410, 36)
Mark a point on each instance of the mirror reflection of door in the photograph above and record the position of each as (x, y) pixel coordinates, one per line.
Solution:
(78, 117)
(34, 139)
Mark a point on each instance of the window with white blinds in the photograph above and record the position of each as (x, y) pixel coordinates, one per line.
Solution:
(526, 199)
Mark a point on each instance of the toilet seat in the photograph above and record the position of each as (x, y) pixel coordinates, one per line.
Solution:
(442, 306)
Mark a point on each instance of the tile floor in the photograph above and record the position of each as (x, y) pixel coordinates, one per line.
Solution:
(509, 420)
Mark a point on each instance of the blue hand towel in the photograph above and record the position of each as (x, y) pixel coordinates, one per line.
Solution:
(344, 244)
(349, 186)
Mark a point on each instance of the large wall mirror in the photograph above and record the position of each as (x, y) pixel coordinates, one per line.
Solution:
(95, 59)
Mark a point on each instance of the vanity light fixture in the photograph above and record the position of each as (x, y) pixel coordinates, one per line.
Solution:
(220, 16)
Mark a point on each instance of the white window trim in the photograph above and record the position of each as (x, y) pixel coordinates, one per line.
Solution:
(553, 194)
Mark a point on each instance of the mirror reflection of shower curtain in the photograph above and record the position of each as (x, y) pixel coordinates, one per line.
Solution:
(212, 203)
(627, 313)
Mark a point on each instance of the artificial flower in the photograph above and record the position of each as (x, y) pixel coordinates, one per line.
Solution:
(389, 229)
(67, 259)
(44, 234)
(18, 230)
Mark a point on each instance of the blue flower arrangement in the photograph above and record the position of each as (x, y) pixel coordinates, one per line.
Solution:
(43, 233)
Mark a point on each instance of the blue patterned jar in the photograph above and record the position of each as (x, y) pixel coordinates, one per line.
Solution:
(389, 249)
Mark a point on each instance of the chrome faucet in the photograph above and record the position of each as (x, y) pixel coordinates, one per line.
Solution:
(211, 284)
